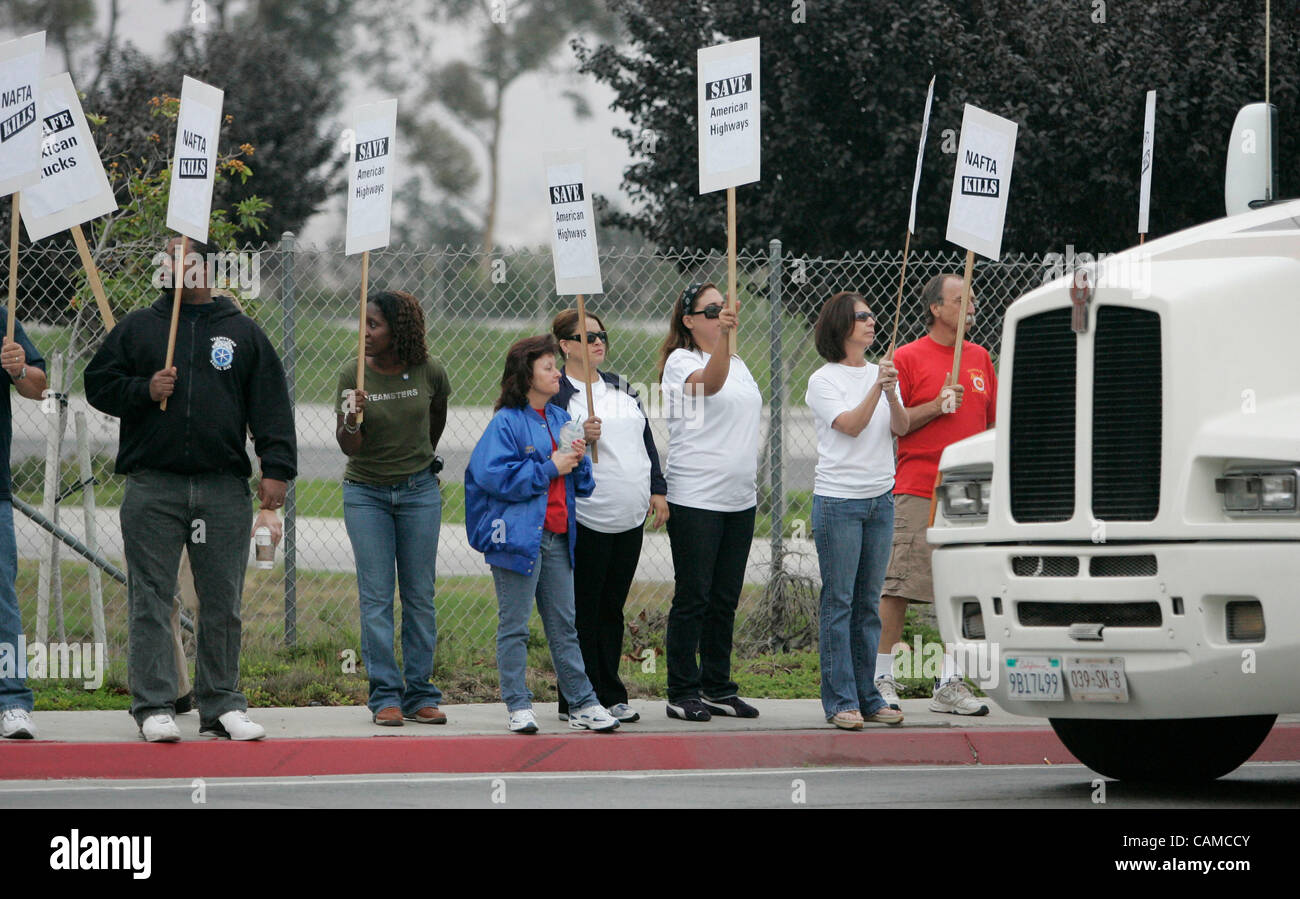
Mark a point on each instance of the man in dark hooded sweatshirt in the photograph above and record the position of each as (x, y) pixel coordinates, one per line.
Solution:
(187, 474)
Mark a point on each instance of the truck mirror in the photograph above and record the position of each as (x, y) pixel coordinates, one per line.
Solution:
(1250, 180)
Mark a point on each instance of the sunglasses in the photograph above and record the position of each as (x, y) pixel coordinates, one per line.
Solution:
(864, 316)
(713, 310)
(592, 337)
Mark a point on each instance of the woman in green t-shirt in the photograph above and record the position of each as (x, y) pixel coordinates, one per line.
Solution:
(392, 506)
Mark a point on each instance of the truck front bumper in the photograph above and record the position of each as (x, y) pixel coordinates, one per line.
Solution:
(1181, 664)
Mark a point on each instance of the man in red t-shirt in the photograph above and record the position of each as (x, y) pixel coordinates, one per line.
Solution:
(941, 413)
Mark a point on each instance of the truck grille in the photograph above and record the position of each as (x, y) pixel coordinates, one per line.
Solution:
(1125, 415)
(1042, 418)
(1123, 566)
(1110, 614)
(1045, 566)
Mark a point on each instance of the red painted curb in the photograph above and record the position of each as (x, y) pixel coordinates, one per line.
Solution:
(547, 753)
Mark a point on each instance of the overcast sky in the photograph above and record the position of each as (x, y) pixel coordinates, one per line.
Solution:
(536, 119)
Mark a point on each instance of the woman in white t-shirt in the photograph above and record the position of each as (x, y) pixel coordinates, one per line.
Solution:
(611, 522)
(855, 406)
(714, 410)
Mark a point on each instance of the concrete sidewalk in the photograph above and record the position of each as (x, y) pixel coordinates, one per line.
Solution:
(321, 741)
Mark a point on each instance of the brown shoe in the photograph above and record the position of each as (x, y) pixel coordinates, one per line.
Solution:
(430, 714)
(389, 717)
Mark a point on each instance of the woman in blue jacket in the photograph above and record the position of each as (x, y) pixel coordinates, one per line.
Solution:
(520, 491)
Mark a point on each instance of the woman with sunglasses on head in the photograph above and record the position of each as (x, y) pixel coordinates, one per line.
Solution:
(392, 506)
(714, 410)
(855, 407)
(611, 522)
(520, 489)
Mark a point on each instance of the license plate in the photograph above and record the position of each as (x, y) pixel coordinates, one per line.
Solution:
(1096, 678)
(1035, 678)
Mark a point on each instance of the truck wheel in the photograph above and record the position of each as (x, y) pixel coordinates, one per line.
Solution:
(1166, 750)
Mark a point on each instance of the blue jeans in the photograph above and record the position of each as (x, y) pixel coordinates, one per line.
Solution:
(854, 538)
(552, 584)
(394, 534)
(14, 693)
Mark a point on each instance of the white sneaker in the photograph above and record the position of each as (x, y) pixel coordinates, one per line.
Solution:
(17, 725)
(624, 713)
(160, 728)
(956, 698)
(593, 717)
(888, 689)
(234, 725)
(522, 721)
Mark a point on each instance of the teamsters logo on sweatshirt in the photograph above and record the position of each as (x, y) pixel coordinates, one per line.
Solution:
(223, 353)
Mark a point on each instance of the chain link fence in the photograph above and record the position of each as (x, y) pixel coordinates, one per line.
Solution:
(476, 305)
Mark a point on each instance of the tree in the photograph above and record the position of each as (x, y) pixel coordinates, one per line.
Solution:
(843, 94)
(456, 97)
(65, 22)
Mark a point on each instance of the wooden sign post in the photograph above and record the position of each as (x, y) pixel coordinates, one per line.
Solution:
(911, 219)
(370, 200)
(727, 107)
(573, 244)
(978, 207)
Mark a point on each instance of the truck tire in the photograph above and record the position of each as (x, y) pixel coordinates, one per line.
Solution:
(1166, 750)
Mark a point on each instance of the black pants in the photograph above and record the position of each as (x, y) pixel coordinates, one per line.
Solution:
(606, 564)
(710, 551)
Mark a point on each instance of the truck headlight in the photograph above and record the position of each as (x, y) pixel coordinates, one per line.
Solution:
(966, 497)
(1263, 492)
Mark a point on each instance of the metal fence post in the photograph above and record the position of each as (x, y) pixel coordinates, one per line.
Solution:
(289, 350)
(776, 427)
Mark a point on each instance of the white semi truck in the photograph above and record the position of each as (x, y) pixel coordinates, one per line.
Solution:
(1124, 547)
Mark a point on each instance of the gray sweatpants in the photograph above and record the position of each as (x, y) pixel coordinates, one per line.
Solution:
(161, 514)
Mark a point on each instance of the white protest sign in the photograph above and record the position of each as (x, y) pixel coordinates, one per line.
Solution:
(573, 225)
(370, 176)
(980, 185)
(194, 159)
(920, 155)
(73, 188)
(20, 133)
(1148, 157)
(728, 115)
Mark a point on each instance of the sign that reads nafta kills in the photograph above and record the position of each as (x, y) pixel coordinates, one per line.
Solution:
(194, 159)
(979, 187)
(20, 134)
(370, 176)
(573, 227)
(73, 188)
(728, 115)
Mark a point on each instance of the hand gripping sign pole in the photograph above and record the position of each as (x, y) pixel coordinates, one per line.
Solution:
(573, 244)
(978, 207)
(73, 187)
(727, 95)
(911, 219)
(189, 203)
(20, 138)
(370, 196)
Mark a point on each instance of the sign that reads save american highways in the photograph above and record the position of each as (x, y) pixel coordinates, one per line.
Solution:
(978, 207)
(20, 132)
(370, 176)
(194, 159)
(573, 226)
(73, 187)
(728, 105)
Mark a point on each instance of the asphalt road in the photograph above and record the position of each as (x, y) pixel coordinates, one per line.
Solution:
(1255, 785)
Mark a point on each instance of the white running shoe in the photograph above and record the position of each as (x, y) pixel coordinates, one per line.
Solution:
(234, 725)
(522, 721)
(956, 698)
(160, 728)
(17, 725)
(624, 713)
(593, 717)
(888, 689)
